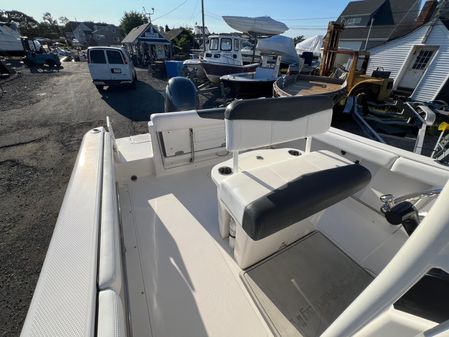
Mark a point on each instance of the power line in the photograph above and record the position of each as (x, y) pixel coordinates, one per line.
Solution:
(171, 11)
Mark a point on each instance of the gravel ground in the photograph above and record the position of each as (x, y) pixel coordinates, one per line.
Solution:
(43, 117)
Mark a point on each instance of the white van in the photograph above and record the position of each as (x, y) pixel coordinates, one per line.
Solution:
(110, 66)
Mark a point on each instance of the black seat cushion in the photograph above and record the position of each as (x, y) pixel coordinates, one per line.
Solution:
(301, 198)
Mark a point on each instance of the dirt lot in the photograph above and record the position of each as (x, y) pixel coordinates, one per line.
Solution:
(43, 117)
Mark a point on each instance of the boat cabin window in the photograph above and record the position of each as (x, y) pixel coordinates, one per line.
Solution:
(236, 45)
(226, 44)
(213, 45)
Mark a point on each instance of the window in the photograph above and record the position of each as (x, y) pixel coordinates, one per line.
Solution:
(213, 45)
(226, 44)
(422, 59)
(353, 21)
(236, 45)
(97, 56)
(114, 57)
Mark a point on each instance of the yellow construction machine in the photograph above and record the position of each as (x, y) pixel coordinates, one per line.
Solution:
(376, 86)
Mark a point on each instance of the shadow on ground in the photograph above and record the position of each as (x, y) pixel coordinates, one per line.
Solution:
(136, 104)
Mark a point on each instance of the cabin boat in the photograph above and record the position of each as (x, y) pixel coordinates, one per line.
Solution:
(255, 220)
(223, 56)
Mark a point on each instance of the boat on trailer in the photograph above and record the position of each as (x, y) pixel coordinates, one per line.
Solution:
(258, 219)
(223, 56)
(254, 84)
(308, 85)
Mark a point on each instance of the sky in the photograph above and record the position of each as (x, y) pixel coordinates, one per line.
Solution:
(303, 17)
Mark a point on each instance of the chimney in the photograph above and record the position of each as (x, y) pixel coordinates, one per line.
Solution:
(427, 12)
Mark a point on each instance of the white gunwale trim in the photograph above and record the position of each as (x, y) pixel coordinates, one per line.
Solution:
(64, 302)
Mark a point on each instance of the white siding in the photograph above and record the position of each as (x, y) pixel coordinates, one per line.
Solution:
(437, 72)
(392, 55)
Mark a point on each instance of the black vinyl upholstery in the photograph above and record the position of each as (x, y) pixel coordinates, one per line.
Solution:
(301, 198)
(278, 109)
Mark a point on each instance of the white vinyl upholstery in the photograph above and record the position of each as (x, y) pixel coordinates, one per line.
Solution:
(239, 190)
(180, 120)
(242, 134)
(111, 318)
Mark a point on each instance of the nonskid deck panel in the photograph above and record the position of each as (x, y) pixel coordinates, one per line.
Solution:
(304, 288)
(182, 278)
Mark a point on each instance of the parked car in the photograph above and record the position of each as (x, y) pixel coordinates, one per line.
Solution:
(110, 66)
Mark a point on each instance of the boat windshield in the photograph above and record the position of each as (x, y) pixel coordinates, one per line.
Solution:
(226, 44)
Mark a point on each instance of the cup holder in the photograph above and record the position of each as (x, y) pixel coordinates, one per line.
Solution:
(225, 170)
(294, 153)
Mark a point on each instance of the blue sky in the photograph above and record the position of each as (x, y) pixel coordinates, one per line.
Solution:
(306, 17)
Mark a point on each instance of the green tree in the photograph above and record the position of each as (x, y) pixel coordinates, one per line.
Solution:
(131, 20)
(48, 18)
(27, 24)
(298, 39)
(63, 20)
(184, 41)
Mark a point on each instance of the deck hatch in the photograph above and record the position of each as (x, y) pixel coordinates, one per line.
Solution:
(304, 288)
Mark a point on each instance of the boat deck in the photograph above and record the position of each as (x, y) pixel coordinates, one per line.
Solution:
(178, 287)
(306, 88)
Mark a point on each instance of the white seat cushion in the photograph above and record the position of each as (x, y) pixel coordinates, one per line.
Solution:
(239, 190)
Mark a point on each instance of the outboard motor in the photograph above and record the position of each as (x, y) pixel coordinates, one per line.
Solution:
(180, 95)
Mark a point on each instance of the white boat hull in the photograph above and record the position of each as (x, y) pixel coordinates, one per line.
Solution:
(263, 25)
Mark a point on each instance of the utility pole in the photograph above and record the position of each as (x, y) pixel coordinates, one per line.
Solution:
(202, 19)
(369, 33)
(433, 21)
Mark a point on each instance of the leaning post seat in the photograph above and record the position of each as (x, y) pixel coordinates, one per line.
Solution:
(276, 204)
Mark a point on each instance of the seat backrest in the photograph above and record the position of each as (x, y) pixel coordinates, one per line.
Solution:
(262, 122)
(301, 198)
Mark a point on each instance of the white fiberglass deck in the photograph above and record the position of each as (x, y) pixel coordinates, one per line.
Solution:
(182, 279)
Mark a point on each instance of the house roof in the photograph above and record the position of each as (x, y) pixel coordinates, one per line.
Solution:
(403, 8)
(89, 24)
(138, 32)
(135, 33)
(392, 18)
(173, 34)
(71, 25)
(362, 7)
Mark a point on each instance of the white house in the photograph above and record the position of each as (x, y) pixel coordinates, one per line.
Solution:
(146, 42)
(418, 61)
